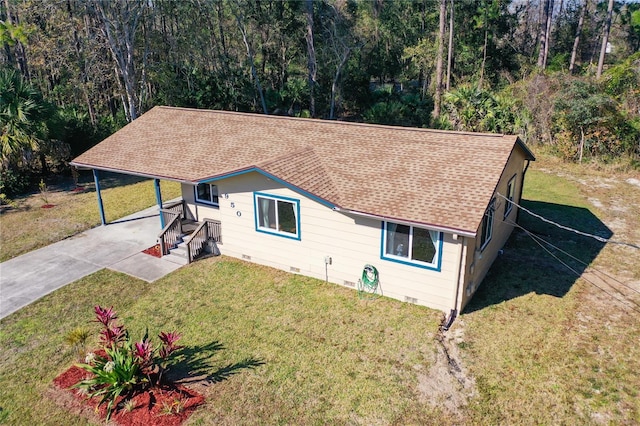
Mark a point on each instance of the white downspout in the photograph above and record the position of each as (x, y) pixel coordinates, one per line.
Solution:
(461, 275)
(457, 301)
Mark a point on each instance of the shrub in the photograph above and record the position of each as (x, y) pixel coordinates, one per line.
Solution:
(14, 182)
(594, 121)
(128, 366)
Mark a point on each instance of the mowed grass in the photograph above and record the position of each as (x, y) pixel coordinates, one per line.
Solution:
(277, 348)
(544, 346)
(28, 226)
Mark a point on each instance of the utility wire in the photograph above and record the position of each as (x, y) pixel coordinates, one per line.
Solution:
(533, 235)
(544, 219)
(579, 275)
(622, 301)
(536, 237)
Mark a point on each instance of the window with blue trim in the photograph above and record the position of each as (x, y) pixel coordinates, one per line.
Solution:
(487, 225)
(511, 190)
(207, 193)
(277, 215)
(410, 244)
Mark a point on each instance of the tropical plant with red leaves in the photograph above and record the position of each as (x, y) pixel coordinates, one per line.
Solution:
(169, 343)
(105, 316)
(128, 366)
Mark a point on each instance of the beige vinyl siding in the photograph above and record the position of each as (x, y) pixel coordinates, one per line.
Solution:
(478, 262)
(195, 210)
(350, 241)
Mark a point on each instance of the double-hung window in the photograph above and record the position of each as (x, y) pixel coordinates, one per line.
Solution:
(277, 215)
(511, 189)
(207, 193)
(487, 225)
(411, 245)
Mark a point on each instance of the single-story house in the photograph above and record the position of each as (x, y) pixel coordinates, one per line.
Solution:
(429, 209)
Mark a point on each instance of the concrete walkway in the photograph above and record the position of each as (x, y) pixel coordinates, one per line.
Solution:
(117, 246)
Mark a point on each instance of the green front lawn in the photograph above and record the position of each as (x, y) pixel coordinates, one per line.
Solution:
(299, 351)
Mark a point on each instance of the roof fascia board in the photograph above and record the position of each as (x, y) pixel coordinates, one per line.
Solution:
(527, 153)
(525, 149)
(126, 172)
(274, 178)
(411, 223)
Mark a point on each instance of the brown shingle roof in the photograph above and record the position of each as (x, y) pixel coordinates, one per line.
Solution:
(425, 176)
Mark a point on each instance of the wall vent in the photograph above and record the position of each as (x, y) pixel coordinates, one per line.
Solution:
(294, 269)
(246, 257)
(349, 283)
(410, 299)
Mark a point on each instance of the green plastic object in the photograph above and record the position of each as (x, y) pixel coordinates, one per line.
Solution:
(368, 283)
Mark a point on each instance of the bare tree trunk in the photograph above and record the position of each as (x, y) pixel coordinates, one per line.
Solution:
(450, 51)
(311, 57)
(576, 41)
(336, 78)
(119, 20)
(250, 55)
(82, 65)
(542, 36)
(605, 38)
(20, 53)
(581, 144)
(145, 84)
(7, 49)
(220, 5)
(548, 33)
(439, 59)
(484, 47)
(560, 9)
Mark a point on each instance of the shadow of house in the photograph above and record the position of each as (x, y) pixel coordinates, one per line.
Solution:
(197, 364)
(525, 267)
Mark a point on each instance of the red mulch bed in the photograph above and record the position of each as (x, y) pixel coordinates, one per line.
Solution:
(149, 409)
(78, 189)
(47, 206)
(153, 251)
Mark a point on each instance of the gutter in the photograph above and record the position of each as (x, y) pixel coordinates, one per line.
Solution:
(126, 172)
(410, 223)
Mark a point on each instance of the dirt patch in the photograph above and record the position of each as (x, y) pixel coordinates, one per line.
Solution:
(634, 181)
(447, 385)
(169, 405)
(596, 202)
(621, 293)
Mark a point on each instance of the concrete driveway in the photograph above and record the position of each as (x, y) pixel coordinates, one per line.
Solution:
(117, 246)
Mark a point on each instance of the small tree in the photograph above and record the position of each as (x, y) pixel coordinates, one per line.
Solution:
(589, 121)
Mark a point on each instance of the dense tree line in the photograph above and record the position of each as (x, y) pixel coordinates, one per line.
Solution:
(559, 72)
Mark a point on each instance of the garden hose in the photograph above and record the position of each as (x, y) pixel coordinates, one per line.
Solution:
(370, 276)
